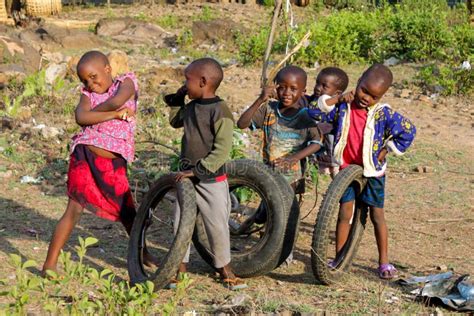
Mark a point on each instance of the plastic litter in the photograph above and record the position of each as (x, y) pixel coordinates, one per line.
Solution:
(30, 179)
(454, 291)
(466, 65)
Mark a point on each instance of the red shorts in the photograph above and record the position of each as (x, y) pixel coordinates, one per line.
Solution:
(100, 185)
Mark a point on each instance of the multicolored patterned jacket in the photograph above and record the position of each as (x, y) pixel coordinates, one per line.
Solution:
(384, 128)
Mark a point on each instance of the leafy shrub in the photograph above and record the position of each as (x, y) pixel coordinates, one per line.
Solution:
(348, 4)
(185, 38)
(341, 38)
(252, 48)
(415, 33)
(414, 30)
(422, 30)
(446, 80)
(268, 3)
(207, 14)
(169, 21)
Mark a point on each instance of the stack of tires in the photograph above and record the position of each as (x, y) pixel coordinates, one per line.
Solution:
(257, 247)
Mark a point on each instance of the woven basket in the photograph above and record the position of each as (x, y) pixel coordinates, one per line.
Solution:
(3, 10)
(42, 7)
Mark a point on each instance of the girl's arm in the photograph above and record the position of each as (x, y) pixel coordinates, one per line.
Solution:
(125, 91)
(246, 118)
(84, 115)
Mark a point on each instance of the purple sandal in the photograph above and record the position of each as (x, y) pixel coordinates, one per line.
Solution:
(387, 271)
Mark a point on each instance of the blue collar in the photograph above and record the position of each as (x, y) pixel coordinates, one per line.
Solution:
(289, 118)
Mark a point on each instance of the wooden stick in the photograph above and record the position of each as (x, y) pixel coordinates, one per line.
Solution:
(415, 179)
(298, 46)
(268, 50)
(447, 220)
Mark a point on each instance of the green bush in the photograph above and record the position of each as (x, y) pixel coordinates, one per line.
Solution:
(252, 48)
(341, 38)
(207, 14)
(348, 4)
(168, 21)
(421, 30)
(414, 33)
(415, 30)
(446, 80)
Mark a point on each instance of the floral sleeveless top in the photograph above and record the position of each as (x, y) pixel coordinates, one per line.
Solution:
(115, 135)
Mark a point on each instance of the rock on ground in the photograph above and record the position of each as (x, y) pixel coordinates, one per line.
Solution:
(132, 31)
(118, 62)
(54, 72)
(15, 52)
(215, 30)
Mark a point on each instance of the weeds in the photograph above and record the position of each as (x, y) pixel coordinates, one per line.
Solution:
(35, 84)
(207, 14)
(446, 80)
(168, 21)
(98, 292)
(142, 16)
(12, 105)
(185, 38)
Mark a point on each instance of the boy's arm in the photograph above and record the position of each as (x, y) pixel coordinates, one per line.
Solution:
(320, 116)
(124, 93)
(176, 102)
(401, 133)
(313, 145)
(327, 103)
(224, 128)
(84, 115)
(246, 118)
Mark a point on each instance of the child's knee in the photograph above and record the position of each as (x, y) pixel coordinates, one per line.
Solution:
(73, 211)
(345, 212)
(377, 216)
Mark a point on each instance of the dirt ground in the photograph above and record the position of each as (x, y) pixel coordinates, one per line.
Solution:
(430, 214)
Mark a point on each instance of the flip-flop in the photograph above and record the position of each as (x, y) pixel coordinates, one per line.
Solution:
(173, 284)
(387, 271)
(234, 284)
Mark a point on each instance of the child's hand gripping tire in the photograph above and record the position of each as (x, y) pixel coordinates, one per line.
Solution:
(153, 228)
(266, 252)
(327, 267)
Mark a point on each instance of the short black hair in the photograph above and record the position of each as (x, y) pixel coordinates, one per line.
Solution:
(379, 74)
(294, 70)
(210, 69)
(93, 55)
(342, 80)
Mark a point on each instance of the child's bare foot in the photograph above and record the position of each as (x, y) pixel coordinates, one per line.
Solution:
(149, 260)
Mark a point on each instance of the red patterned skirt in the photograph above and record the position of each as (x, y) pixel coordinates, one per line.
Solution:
(100, 185)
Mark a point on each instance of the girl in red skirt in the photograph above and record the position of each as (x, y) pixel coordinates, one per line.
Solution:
(97, 176)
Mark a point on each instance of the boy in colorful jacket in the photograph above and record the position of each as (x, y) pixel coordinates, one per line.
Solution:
(366, 131)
